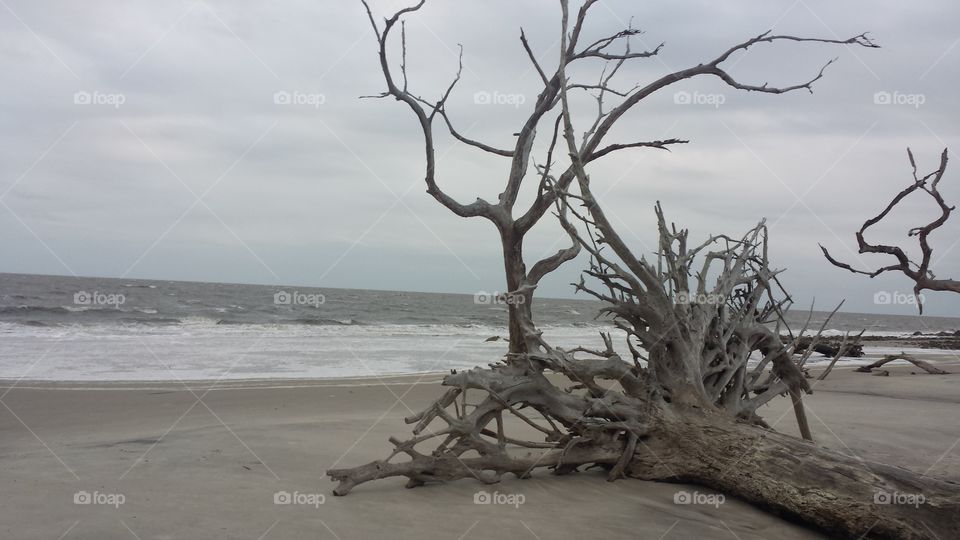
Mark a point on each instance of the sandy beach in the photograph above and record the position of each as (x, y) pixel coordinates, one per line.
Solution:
(244, 243)
(205, 460)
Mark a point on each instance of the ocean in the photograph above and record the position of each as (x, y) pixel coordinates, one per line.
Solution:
(58, 328)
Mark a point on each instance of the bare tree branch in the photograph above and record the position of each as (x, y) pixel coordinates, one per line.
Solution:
(920, 273)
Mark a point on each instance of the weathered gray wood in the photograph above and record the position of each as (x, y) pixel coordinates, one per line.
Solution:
(853, 348)
(684, 407)
(837, 493)
(922, 364)
(919, 272)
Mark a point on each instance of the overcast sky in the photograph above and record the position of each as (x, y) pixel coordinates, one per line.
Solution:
(148, 139)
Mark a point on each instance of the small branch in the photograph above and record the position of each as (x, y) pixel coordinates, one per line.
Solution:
(662, 145)
(533, 59)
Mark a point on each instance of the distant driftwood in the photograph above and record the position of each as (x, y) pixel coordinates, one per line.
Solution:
(926, 366)
(853, 349)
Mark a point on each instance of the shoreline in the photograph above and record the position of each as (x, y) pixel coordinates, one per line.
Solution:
(815, 362)
(405, 379)
(950, 362)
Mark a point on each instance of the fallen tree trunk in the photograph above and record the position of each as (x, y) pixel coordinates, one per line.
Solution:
(922, 364)
(796, 479)
(800, 481)
(853, 349)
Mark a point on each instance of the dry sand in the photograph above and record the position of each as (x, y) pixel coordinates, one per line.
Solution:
(206, 463)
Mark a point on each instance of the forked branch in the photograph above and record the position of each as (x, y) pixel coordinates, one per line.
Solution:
(920, 272)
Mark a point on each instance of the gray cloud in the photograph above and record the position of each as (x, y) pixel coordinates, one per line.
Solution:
(332, 194)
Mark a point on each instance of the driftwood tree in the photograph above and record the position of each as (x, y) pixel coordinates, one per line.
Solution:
(919, 272)
(684, 407)
(699, 337)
